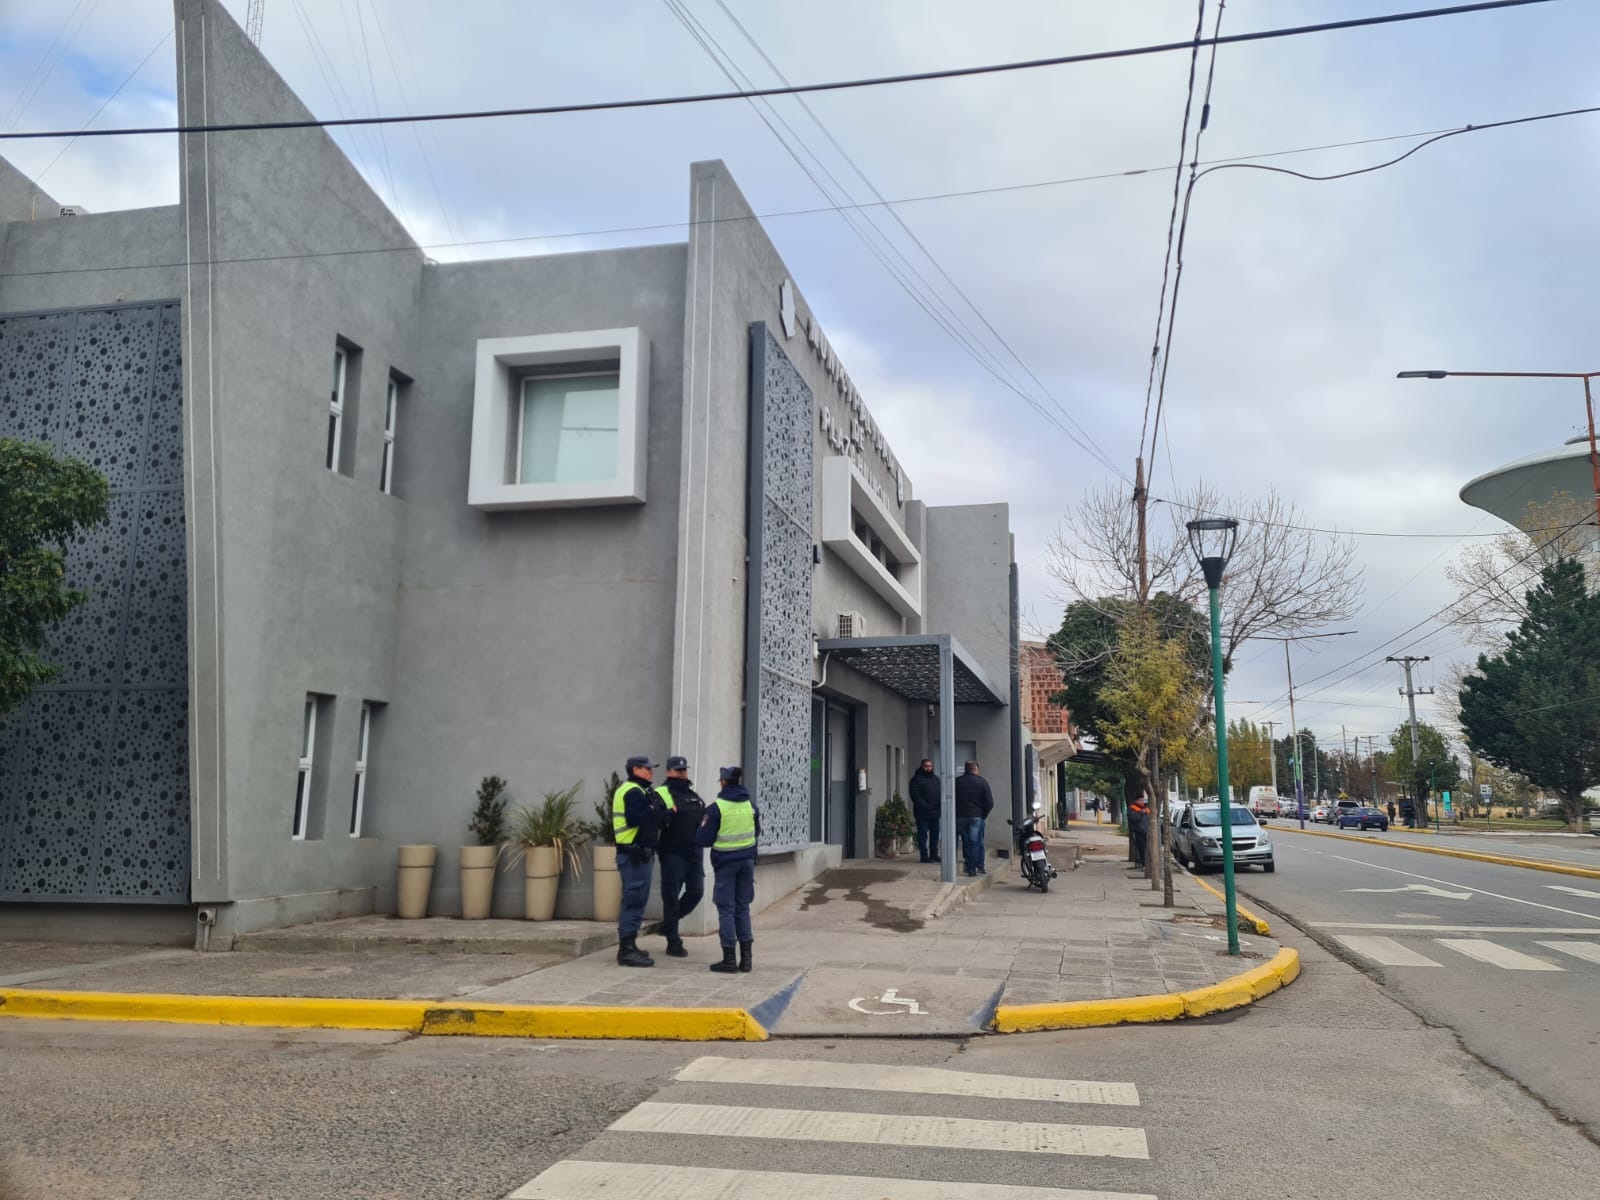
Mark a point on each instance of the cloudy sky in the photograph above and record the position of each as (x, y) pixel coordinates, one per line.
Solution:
(1034, 207)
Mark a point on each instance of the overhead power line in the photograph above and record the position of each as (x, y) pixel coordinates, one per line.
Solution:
(799, 89)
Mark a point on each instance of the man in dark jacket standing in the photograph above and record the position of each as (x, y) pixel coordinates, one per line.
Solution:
(636, 818)
(683, 869)
(927, 799)
(730, 827)
(974, 803)
(1138, 828)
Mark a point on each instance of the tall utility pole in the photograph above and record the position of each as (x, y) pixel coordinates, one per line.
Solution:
(1372, 758)
(1141, 496)
(1407, 661)
(1272, 752)
(1344, 762)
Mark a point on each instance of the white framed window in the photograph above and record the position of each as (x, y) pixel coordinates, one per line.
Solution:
(560, 419)
(308, 754)
(358, 798)
(859, 527)
(341, 363)
(391, 413)
(567, 428)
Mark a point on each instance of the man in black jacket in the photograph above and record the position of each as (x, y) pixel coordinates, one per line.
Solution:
(683, 868)
(637, 815)
(974, 802)
(927, 798)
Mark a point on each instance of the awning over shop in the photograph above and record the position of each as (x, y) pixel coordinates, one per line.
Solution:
(910, 666)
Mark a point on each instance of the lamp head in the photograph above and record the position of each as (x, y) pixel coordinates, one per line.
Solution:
(1213, 540)
(1421, 374)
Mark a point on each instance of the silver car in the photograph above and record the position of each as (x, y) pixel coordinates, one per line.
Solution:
(1197, 839)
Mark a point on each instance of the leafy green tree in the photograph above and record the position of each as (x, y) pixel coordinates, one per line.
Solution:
(45, 501)
(1436, 768)
(1535, 707)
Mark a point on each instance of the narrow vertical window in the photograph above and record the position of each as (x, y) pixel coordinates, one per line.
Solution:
(308, 750)
(358, 798)
(336, 407)
(390, 412)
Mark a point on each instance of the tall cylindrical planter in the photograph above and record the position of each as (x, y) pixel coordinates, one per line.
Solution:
(607, 884)
(415, 878)
(477, 881)
(542, 871)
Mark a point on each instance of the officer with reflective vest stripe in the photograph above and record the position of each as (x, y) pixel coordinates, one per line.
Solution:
(730, 827)
(683, 867)
(636, 815)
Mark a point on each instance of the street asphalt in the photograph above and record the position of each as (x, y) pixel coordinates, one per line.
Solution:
(1506, 956)
(1328, 1089)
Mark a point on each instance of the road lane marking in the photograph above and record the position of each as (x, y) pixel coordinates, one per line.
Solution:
(1361, 862)
(1433, 928)
(1588, 951)
(1386, 952)
(583, 1180)
(916, 1080)
(1571, 891)
(1418, 887)
(883, 1129)
(1497, 955)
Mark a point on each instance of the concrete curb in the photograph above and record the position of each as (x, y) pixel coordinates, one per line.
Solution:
(1246, 916)
(426, 1017)
(1473, 856)
(953, 895)
(1235, 992)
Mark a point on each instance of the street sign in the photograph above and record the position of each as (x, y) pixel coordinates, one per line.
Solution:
(1485, 791)
(1445, 796)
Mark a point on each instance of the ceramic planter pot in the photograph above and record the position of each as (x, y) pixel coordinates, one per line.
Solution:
(477, 881)
(607, 884)
(886, 848)
(415, 879)
(542, 873)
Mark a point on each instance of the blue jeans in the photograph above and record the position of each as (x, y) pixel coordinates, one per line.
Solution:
(635, 892)
(683, 883)
(928, 838)
(972, 843)
(734, 890)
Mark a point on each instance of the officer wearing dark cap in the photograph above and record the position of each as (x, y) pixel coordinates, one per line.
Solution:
(636, 818)
(683, 869)
(730, 827)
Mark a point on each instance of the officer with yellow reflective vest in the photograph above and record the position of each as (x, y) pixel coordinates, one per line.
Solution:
(636, 817)
(730, 827)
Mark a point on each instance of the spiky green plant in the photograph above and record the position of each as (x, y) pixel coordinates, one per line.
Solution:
(553, 822)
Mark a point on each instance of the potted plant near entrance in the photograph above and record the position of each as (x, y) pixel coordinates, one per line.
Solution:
(544, 839)
(488, 828)
(602, 836)
(891, 823)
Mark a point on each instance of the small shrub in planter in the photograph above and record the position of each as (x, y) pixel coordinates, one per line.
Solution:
(545, 839)
(488, 829)
(892, 822)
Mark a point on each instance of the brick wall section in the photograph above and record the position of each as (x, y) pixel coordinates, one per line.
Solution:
(1041, 678)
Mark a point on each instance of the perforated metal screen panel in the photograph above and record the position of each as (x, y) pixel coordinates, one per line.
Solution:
(94, 770)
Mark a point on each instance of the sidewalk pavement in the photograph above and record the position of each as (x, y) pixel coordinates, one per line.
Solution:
(872, 948)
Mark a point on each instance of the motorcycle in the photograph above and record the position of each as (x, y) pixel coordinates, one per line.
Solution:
(1036, 868)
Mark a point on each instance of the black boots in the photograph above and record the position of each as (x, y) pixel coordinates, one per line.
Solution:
(727, 966)
(675, 948)
(629, 954)
(744, 956)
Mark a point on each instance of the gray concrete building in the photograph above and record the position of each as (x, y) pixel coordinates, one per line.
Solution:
(383, 526)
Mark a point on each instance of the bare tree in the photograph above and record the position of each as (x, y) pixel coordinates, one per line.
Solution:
(1493, 579)
(1284, 577)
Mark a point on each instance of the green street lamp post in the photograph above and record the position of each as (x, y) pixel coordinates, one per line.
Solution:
(1213, 539)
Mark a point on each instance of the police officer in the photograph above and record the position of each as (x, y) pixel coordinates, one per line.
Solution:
(683, 868)
(730, 827)
(636, 818)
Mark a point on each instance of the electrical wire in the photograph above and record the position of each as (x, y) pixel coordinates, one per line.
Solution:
(39, 178)
(805, 88)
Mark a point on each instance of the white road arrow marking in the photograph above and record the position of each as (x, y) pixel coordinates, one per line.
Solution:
(1571, 891)
(904, 1004)
(1419, 887)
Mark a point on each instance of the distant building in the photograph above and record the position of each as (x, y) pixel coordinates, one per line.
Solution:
(382, 526)
(1534, 478)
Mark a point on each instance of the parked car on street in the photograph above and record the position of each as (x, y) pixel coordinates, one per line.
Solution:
(1341, 806)
(1363, 818)
(1197, 839)
(1322, 812)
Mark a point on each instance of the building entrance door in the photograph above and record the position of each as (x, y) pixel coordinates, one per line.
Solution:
(839, 813)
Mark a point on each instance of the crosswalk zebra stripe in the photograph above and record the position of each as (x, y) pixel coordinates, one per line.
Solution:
(1588, 951)
(924, 1081)
(587, 1180)
(811, 1125)
(1497, 955)
(1386, 952)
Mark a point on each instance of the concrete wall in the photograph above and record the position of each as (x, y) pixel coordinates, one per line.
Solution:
(531, 644)
(101, 258)
(969, 598)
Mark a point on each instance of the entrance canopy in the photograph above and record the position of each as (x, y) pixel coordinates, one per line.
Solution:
(910, 666)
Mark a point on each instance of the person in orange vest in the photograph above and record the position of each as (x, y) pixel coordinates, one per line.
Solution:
(1138, 828)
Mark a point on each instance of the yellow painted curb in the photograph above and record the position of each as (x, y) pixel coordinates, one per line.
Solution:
(1256, 922)
(588, 1021)
(1473, 856)
(399, 1016)
(1235, 992)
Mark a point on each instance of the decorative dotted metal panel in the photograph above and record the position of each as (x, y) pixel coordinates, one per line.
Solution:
(94, 770)
(783, 738)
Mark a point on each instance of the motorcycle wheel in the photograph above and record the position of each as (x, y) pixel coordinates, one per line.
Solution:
(1044, 882)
